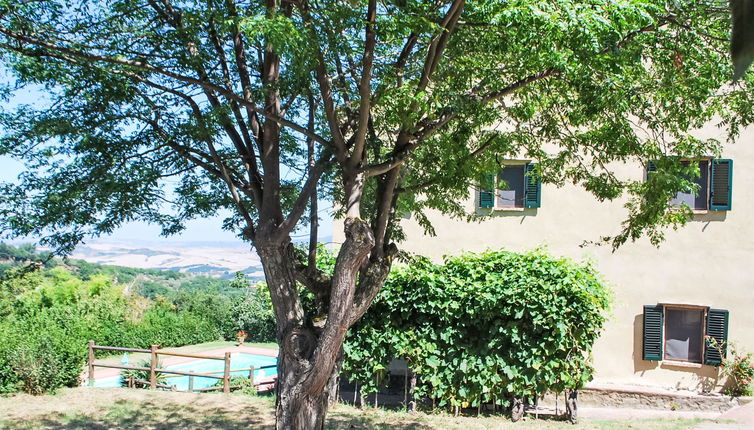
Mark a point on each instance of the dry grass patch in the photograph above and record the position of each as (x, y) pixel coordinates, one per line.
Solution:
(119, 408)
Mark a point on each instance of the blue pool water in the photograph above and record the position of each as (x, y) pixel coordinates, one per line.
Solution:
(238, 360)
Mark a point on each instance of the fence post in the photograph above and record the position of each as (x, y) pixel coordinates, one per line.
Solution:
(152, 364)
(191, 382)
(226, 375)
(251, 375)
(131, 381)
(91, 363)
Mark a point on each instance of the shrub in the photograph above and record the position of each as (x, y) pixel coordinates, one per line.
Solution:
(483, 326)
(253, 314)
(738, 366)
(246, 387)
(142, 375)
(36, 368)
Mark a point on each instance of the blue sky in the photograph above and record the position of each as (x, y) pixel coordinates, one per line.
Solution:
(208, 229)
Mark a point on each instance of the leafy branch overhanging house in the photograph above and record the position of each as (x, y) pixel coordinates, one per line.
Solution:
(697, 283)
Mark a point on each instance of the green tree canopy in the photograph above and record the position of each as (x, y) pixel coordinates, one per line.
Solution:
(166, 111)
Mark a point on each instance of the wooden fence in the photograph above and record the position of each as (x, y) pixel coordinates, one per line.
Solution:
(153, 370)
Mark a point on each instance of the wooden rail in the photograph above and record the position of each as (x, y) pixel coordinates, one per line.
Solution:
(153, 370)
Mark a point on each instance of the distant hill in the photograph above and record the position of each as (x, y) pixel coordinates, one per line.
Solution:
(215, 259)
(185, 269)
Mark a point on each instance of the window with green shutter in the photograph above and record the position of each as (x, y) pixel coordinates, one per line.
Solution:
(677, 333)
(721, 185)
(653, 326)
(517, 185)
(717, 328)
(533, 190)
(714, 185)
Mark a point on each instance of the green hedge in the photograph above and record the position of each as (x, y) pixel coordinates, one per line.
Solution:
(46, 324)
(483, 326)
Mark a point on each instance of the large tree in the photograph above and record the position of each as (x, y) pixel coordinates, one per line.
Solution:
(164, 111)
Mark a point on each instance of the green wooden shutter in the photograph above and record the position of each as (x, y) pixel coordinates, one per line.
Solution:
(487, 196)
(532, 187)
(721, 185)
(717, 328)
(651, 168)
(653, 325)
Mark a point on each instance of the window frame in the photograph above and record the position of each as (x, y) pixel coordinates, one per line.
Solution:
(528, 202)
(703, 331)
(708, 186)
(496, 197)
(709, 205)
(716, 323)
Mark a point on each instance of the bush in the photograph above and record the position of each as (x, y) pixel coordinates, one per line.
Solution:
(36, 368)
(142, 375)
(47, 317)
(738, 366)
(483, 326)
(246, 387)
(253, 314)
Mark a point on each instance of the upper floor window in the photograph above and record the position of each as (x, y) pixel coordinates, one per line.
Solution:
(516, 186)
(714, 185)
(700, 199)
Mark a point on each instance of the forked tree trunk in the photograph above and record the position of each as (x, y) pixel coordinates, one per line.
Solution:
(297, 410)
(296, 407)
(310, 357)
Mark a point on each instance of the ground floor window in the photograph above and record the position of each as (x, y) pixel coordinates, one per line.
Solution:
(677, 332)
(684, 334)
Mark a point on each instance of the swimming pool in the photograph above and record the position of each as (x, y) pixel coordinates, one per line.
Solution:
(238, 360)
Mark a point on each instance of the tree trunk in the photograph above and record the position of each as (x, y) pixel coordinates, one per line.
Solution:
(572, 405)
(297, 408)
(517, 409)
(310, 356)
(412, 391)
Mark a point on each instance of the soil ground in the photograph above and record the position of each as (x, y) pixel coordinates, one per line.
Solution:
(121, 408)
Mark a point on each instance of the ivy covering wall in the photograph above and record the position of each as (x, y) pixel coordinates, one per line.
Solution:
(483, 327)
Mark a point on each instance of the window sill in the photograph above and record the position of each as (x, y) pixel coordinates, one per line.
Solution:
(693, 211)
(686, 364)
(508, 209)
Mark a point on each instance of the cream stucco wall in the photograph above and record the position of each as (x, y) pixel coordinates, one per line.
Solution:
(708, 262)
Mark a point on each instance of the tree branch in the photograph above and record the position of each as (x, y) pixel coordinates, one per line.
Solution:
(144, 66)
(306, 192)
(430, 182)
(365, 89)
(353, 254)
(439, 42)
(325, 88)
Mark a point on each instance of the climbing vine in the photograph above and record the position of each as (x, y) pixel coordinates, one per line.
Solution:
(483, 327)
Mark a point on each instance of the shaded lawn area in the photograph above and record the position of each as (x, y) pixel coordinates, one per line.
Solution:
(107, 408)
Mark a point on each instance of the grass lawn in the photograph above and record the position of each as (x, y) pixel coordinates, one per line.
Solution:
(105, 408)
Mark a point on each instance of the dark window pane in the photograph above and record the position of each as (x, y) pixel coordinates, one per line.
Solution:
(698, 201)
(683, 334)
(701, 199)
(510, 191)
